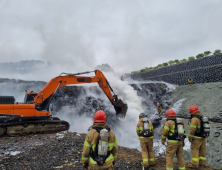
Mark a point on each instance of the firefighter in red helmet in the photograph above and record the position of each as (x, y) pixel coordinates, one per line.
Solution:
(198, 141)
(100, 146)
(175, 142)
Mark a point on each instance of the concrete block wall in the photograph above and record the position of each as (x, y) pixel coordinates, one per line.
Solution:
(204, 70)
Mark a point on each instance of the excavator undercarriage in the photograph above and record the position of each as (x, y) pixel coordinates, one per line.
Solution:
(50, 125)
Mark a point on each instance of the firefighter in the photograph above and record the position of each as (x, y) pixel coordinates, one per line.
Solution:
(144, 130)
(99, 151)
(198, 143)
(190, 81)
(159, 108)
(174, 145)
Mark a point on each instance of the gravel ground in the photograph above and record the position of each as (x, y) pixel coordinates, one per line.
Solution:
(60, 151)
(206, 96)
(54, 151)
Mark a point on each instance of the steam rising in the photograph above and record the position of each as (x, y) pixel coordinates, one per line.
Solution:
(123, 128)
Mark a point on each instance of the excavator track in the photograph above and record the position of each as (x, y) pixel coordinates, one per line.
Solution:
(33, 127)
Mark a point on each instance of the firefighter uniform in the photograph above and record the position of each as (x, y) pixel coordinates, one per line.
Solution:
(90, 145)
(190, 81)
(198, 144)
(146, 144)
(173, 146)
(159, 108)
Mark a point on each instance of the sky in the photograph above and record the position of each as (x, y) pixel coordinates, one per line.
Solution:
(76, 35)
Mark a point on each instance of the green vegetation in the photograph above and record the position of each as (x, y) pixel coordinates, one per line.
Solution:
(206, 53)
(147, 68)
(183, 60)
(134, 72)
(160, 65)
(142, 70)
(165, 64)
(199, 55)
(217, 52)
(191, 58)
(177, 61)
(172, 62)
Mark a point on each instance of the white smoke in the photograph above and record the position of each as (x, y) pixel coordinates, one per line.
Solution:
(125, 129)
(18, 89)
(177, 106)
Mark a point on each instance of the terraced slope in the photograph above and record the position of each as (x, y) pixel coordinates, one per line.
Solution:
(204, 70)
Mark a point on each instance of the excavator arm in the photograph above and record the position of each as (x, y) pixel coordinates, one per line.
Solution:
(46, 94)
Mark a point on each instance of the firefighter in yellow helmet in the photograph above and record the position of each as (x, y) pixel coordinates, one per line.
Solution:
(144, 130)
(190, 81)
(175, 140)
(198, 139)
(159, 108)
(100, 146)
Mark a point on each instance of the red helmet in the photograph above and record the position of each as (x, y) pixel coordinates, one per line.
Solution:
(193, 109)
(170, 113)
(100, 116)
(158, 104)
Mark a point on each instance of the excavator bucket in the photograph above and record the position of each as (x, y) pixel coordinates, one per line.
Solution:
(121, 108)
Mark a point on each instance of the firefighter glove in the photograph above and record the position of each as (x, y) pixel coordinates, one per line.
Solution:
(163, 142)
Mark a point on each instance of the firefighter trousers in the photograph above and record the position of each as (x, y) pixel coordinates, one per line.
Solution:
(198, 152)
(147, 151)
(171, 150)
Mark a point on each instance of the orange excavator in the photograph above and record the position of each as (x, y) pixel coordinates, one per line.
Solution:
(33, 116)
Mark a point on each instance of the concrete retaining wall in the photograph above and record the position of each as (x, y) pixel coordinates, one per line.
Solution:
(204, 70)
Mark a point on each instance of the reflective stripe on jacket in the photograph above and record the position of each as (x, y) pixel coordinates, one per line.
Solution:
(139, 128)
(169, 130)
(194, 124)
(90, 144)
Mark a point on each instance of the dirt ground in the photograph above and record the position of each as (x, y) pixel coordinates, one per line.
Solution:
(61, 151)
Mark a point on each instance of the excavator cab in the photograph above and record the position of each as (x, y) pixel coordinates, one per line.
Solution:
(29, 97)
(120, 107)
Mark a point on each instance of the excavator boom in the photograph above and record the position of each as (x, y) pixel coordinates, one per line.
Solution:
(69, 79)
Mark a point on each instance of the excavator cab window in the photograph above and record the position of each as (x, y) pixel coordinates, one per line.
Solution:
(29, 98)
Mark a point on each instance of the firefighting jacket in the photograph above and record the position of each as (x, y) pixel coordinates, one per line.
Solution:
(91, 141)
(159, 109)
(168, 130)
(139, 128)
(194, 124)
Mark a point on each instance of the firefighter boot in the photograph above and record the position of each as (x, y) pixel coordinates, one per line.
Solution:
(190, 166)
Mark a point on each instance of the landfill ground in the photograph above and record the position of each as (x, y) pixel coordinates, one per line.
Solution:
(60, 151)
